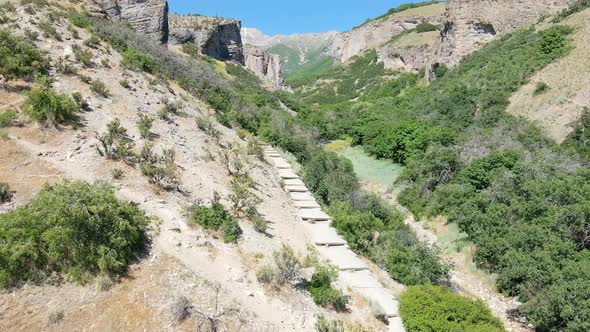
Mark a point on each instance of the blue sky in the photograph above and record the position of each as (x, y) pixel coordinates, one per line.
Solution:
(286, 17)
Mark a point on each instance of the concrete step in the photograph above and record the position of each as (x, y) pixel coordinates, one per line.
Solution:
(287, 174)
(360, 279)
(324, 235)
(297, 189)
(313, 215)
(293, 182)
(395, 325)
(301, 196)
(343, 258)
(311, 204)
(280, 163)
(380, 300)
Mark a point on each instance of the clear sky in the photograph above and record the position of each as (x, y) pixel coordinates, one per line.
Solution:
(289, 16)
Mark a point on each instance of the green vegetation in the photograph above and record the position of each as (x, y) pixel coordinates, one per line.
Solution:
(540, 88)
(138, 60)
(7, 118)
(243, 103)
(83, 55)
(309, 71)
(19, 58)
(426, 27)
(377, 232)
(5, 193)
(577, 6)
(49, 31)
(433, 308)
(519, 197)
(321, 290)
(46, 106)
(381, 172)
(144, 125)
(100, 88)
(579, 140)
(74, 228)
(217, 218)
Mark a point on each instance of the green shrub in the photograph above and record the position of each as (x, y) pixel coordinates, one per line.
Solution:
(46, 106)
(125, 83)
(7, 118)
(5, 193)
(217, 218)
(49, 31)
(426, 27)
(330, 177)
(83, 55)
(100, 88)
(92, 42)
(135, 59)
(19, 58)
(114, 143)
(75, 228)
(434, 308)
(161, 170)
(144, 125)
(321, 290)
(540, 88)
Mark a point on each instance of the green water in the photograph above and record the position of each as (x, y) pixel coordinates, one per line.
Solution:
(380, 172)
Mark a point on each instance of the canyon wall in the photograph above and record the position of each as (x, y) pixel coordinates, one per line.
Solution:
(216, 37)
(146, 16)
(470, 24)
(266, 66)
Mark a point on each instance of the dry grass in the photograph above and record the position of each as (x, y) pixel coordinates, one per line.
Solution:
(415, 39)
(431, 10)
(568, 80)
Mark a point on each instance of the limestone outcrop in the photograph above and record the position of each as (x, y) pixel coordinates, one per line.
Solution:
(266, 66)
(216, 37)
(146, 16)
(470, 24)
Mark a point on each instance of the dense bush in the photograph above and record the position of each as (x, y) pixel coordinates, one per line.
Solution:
(46, 106)
(330, 177)
(217, 218)
(19, 58)
(433, 308)
(372, 230)
(75, 228)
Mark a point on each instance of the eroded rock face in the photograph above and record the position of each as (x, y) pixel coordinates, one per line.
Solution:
(407, 59)
(373, 34)
(265, 65)
(469, 24)
(216, 37)
(146, 16)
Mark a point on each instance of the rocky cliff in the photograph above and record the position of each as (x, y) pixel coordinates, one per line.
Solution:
(146, 16)
(265, 65)
(381, 30)
(216, 37)
(470, 24)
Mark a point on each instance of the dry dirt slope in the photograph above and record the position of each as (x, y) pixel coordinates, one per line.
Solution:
(184, 260)
(568, 79)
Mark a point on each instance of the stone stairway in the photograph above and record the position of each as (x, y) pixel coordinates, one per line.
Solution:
(354, 273)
